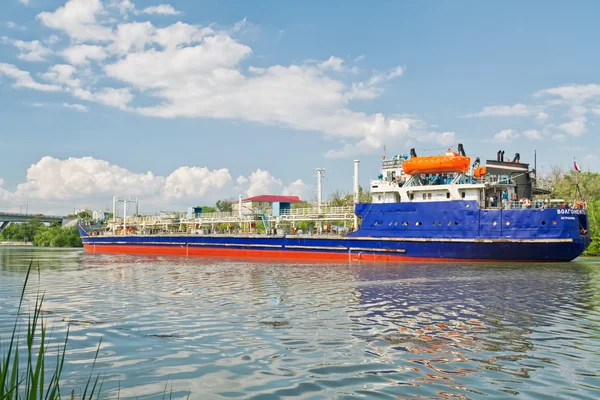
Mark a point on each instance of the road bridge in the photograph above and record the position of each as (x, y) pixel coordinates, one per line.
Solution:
(7, 218)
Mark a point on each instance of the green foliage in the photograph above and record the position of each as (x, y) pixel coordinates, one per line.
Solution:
(225, 205)
(339, 198)
(302, 204)
(42, 235)
(56, 236)
(23, 231)
(30, 383)
(575, 185)
(84, 215)
(594, 221)
(208, 209)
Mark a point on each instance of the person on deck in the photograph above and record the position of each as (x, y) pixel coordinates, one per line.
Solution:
(505, 199)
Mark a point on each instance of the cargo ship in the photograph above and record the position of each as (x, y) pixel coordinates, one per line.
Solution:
(423, 208)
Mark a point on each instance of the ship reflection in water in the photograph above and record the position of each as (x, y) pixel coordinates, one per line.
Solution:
(237, 329)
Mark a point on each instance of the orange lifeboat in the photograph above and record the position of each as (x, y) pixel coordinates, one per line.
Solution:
(479, 172)
(451, 162)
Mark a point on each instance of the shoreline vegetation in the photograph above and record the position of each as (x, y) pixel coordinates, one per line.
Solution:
(565, 185)
(26, 360)
(31, 364)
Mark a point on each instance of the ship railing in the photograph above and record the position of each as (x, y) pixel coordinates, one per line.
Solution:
(143, 223)
(324, 210)
(520, 205)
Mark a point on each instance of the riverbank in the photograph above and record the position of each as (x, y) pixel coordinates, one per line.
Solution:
(15, 243)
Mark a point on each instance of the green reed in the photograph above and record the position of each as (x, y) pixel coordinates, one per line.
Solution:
(19, 380)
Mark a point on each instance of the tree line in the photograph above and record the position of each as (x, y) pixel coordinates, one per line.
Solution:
(573, 185)
(42, 235)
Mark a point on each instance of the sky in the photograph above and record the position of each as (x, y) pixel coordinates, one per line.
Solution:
(186, 102)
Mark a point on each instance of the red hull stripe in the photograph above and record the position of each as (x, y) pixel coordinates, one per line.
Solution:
(258, 254)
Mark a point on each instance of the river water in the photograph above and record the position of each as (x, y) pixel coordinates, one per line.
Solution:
(267, 330)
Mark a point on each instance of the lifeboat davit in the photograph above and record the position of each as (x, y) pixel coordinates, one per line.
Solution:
(450, 162)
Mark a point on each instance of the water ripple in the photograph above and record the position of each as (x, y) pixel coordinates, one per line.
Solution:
(230, 329)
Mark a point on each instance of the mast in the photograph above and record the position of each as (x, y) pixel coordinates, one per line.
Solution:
(535, 165)
(356, 193)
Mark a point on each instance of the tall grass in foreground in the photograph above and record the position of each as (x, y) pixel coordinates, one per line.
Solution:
(31, 381)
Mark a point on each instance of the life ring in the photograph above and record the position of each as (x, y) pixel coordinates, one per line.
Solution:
(579, 205)
(526, 202)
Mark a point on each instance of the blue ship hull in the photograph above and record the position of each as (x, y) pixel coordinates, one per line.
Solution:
(431, 231)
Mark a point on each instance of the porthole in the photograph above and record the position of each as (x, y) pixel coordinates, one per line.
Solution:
(377, 223)
(467, 205)
(396, 223)
(418, 223)
(449, 223)
(440, 223)
(455, 222)
(390, 224)
(507, 223)
(543, 222)
(433, 223)
(494, 223)
(405, 223)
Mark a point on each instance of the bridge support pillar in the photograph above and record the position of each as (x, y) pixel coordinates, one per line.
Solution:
(3, 225)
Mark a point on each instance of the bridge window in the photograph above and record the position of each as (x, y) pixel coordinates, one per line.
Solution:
(448, 195)
(463, 194)
(424, 196)
(412, 196)
(429, 196)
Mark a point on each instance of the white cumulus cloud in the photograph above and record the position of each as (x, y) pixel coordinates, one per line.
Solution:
(517, 110)
(506, 136)
(533, 134)
(162, 9)
(24, 79)
(56, 179)
(77, 18)
(297, 188)
(63, 181)
(28, 51)
(195, 182)
(84, 53)
(78, 107)
(181, 70)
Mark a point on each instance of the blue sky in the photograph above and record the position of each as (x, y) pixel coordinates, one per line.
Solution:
(185, 102)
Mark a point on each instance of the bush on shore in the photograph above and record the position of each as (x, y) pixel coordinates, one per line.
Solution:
(41, 235)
